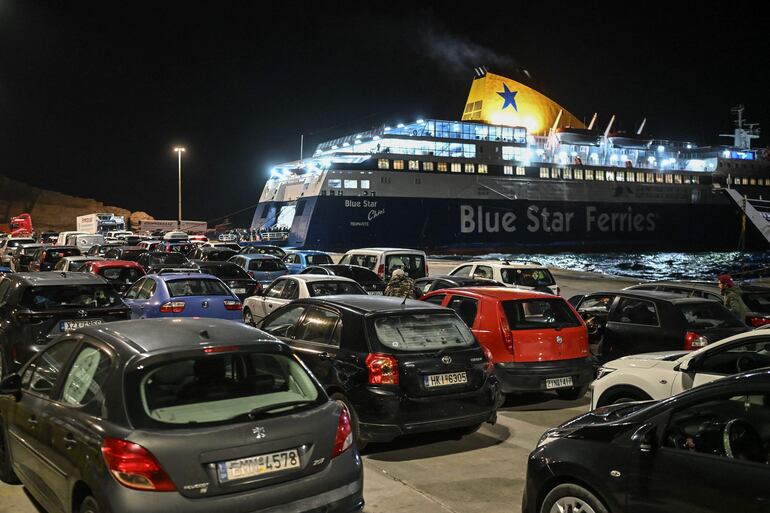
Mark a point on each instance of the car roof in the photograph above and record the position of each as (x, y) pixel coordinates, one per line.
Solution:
(365, 304)
(459, 279)
(304, 252)
(507, 263)
(221, 247)
(499, 293)
(318, 277)
(77, 258)
(183, 276)
(214, 263)
(383, 250)
(700, 286)
(671, 297)
(58, 278)
(257, 256)
(56, 248)
(107, 264)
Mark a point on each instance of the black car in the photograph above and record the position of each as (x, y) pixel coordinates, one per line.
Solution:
(176, 415)
(45, 258)
(101, 249)
(234, 277)
(130, 253)
(705, 450)
(629, 322)
(212, 254)
(262, 249)
(35, 307)
(429, 284)
(21, 256)
(399, 366)
(154, 261)
(368, 280)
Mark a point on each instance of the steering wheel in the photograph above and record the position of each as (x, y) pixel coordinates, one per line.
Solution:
(742, 441)
(744, 363)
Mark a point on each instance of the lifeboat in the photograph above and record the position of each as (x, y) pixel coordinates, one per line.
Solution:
(632, 141)
(578, 136)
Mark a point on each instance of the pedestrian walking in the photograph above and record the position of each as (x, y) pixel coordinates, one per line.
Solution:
(731, 294)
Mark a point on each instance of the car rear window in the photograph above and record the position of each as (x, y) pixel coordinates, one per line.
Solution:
(131, 254)
(167, 258)
(330, 288)
(219, 389)
(413, 265)
(363, 275)
(56, 297)
(196, 287)
(226, 272)
(54, 255)
(527, 277)
(220, 255)
(318, 259)
(526, 314)
(122, 274)
(708, 315)
(270, 264)
(757, 301)
(422, 332)
(12, 243)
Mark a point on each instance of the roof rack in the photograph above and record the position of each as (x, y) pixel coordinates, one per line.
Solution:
(508, 261)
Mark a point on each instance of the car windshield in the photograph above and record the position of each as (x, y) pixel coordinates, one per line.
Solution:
(54, 255)
(122, 274)
(167, 258)
(55, 297)
(422, 332)
(708, 314)
(757, 301)
(226, 272)
(196, 287)
(268, 264)
(219, 389)
(525, 314)
(527, 277)
(318, 259)
(330, 288)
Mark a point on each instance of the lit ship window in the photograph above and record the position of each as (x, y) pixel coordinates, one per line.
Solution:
(600, 175)
(508, 170)
(520, 171)
(650, 177)
(427, 166)
(639, 176)
(567, 173)
(696, 179)
(630, 176)
(578, 174)
(414, 165)
(483, 169)
(669, 179)
(398, 164)
(335, 183)
(456, 168)
(610, 176)
(555, 172)
(544, 172)
(658, 178)
(442, 167)
(351, 184)
(678, 179)
(469, 168)
(383, 163)
(620, 176)
(589, 174)
(364, 184)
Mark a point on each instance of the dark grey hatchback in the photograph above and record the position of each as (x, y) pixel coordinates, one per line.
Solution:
(176, 415)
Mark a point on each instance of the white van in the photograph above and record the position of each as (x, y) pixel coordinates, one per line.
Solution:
(62, 239)
(384, 261)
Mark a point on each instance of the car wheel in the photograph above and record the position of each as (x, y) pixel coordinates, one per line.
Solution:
(248, 318)
(571, 498)
(89, 505)
(622, 395)
(340, 398)
(572, 394)
(6, 469)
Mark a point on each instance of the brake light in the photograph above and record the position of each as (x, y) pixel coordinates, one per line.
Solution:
(172, 307)
(344, 438)
(383, 369)
(381, 271)
(693, 340)
(135, 467)
(489, 367)
(505, 330)
(232, 305)
(757, 320)
(220, 349)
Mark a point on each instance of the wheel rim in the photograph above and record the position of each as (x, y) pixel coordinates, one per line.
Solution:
(571, 505)
(248, 318)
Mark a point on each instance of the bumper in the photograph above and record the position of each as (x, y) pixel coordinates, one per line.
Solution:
(531, 376)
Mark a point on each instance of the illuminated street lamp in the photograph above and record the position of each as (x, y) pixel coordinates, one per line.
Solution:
(179, 150)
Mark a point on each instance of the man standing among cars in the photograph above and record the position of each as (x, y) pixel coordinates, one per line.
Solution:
(400, 285)
(731, 293)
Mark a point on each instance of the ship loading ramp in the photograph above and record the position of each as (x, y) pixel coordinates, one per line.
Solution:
(755, 211)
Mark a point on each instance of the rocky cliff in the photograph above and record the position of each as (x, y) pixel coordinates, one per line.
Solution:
(51, 210)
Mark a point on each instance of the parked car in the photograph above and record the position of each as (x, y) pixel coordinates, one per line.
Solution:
(383, 261)
(629, 322)
(261, 267)
(5, 270)
(84, 242)
(234, 246)
(74, 263)
(528, 275)
(425, 285)
(174, 246)
(101, 249)
(121, 274)
(701, 451)
(399, 367)
(756, 298)
(125, 252)
(35, 307)
(257, 248)
(182, 295)
(297, 286)
(150, 245)
(46, 258)
(373, 285)
(61, 239)
(537, 341)
(236, 278)
(21, 255)
(211, 254)
(153, 416)
(9, 244)
(659, 375)
(154, 261)
(296, 261)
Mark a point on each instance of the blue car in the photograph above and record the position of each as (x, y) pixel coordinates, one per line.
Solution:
(182, 295)
(4, 270)
(263, 268)
(297, 260)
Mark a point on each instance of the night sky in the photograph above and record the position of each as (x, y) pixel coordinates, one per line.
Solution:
(95, 95)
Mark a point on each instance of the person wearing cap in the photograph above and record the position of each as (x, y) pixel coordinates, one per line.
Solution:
(400, 285)
(731, 294)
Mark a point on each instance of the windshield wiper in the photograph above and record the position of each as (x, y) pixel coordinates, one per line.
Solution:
(253, 414)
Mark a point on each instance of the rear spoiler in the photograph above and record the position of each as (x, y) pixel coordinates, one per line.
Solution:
(172, 270)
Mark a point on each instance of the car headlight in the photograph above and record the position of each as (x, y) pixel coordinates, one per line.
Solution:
(604, 371)
(553, 434)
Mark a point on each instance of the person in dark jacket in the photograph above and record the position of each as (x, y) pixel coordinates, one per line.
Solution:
(400, 285)
(731, 294)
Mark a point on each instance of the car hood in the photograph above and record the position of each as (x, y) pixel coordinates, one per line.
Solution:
(647, 360)
(601, 424)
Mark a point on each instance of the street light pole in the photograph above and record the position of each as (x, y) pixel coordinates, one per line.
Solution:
(179, 150)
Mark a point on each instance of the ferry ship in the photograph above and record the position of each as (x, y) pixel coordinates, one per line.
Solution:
(517, 172)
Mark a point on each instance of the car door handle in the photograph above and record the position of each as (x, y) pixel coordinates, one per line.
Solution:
(69, 441)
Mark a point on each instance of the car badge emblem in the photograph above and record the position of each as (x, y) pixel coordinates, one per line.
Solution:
(82, 313)
(259, 432)
(446, 359)
(559, 340)
(205, 304)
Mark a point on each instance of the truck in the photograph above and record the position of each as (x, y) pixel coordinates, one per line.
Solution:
(20, 225)
(100, 223)
(152, 225)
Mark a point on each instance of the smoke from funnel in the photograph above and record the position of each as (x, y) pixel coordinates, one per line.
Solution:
(459, 55)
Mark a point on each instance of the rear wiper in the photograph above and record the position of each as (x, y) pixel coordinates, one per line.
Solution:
(253, 414)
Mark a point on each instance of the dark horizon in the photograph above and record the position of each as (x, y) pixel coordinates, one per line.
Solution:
(95, 97)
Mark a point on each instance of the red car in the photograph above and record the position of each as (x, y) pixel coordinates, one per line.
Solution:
(538, 341)
(120, 273)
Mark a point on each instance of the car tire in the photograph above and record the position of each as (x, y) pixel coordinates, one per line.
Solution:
(622, 395)
(6, 469)
(89, 505)
(572, 394)
(353, 419)
(573, 498)
(248, 318)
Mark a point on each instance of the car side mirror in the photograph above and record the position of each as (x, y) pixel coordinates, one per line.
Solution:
(645, 438)
(11, 385)
(688, 366)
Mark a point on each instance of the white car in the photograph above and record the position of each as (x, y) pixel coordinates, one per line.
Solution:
(661, 375)
(383, 261)
(296, 286)
(515, 274)
(75, 263)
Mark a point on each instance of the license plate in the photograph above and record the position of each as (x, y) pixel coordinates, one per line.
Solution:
(258, 465)
(558, 382)
(73, 325)
(441, 380)
(239, 291)
(375, 293)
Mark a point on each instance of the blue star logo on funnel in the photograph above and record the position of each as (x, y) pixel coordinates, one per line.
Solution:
(509, 98)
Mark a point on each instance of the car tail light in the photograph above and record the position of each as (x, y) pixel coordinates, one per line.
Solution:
(757, 320)
(694, 340)
(505, 331)
(383, 369)
(232, 305)
(489, 366)
(172, 307)
(344, 438)
(381, 271)
(135, 467)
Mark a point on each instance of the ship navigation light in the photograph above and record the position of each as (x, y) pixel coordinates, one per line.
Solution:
(689, 146)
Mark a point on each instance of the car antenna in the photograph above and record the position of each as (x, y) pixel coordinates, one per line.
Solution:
(404, 301)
